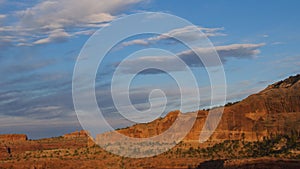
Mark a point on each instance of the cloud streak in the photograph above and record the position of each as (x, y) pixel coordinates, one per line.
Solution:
(240, 51)
(2, 16)
(58, 35)
(188, 33)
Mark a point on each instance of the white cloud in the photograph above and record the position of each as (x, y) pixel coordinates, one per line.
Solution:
(2, 16)
(55, 20)
(64, 13)
(188, 33)
(85, 32)
(58, 35)
(136, 42)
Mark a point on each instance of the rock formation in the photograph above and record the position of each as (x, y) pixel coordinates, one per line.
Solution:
(274, 110)
(13, 137)
(76, 134)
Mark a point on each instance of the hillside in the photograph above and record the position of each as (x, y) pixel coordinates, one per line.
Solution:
(274, 110)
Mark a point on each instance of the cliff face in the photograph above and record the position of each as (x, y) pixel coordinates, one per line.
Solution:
(274, 110)
(76, 134)
(13, 137)
(8, 139)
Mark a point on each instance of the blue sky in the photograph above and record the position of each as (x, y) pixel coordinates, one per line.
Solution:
(258, 42)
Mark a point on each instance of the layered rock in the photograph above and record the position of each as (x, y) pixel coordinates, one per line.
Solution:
(76, 134)
(13, 137)
(274, 110)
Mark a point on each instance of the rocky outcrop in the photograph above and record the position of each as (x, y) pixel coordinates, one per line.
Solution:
(274, 110)
(76, 134)
(82, 134)
(13, 137)
(17, 143)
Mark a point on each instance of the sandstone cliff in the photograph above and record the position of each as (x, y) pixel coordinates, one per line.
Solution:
(274, 110)
(13, 137)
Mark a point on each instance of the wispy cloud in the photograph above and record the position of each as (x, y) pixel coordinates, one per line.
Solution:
(53, 14)
(2, 16)
(277, 43)
(58, 35)
(228, 51)
(55, 20)
(287, 62)
(188, 33)
(240, 51)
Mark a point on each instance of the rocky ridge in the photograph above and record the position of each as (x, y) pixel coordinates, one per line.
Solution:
(274, 110)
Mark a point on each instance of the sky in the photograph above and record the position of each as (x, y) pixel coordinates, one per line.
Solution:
(257, 41)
